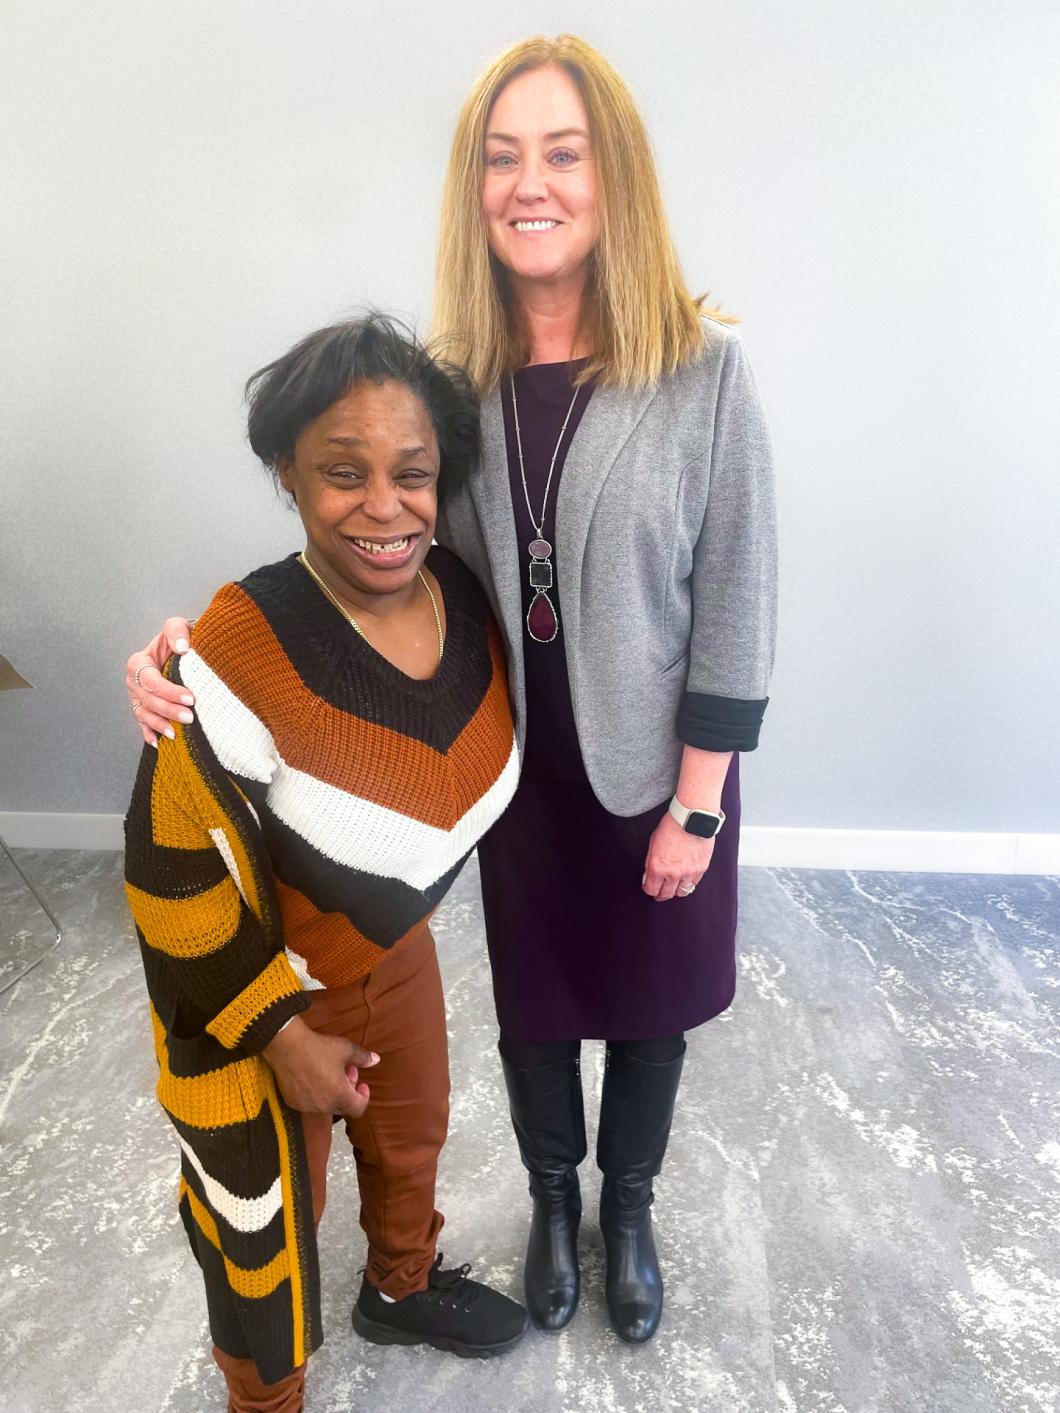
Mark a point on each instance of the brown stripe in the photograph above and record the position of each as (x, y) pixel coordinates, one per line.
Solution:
(250, 1284)
(232, 1094)
(372, 762)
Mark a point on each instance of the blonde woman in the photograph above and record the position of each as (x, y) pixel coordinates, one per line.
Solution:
(623, 527)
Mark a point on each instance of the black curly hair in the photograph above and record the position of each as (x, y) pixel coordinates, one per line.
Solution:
(288, 394)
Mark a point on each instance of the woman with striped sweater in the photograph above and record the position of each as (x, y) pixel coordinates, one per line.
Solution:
(352, 742)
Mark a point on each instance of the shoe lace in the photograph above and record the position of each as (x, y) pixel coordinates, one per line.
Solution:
(453, 1286)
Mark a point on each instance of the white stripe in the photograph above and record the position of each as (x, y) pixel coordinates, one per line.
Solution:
(345, 827)
(224, 848)
(246, 1214)
(241, 742)
(300, 967)
(359, 833)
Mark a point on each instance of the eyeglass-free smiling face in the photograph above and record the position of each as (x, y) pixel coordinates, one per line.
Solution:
(364, 477)
(539, 181)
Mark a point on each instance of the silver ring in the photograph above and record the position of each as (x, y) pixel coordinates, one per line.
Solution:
(136, 706)
(136, 674)
(684, 892)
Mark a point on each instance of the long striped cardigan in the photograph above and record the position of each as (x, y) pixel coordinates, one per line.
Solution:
(314, 814)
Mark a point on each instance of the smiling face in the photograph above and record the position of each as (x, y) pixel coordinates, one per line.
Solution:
(539, 188)
(364, 477)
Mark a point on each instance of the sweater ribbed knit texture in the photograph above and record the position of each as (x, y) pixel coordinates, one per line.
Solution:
(314, 814)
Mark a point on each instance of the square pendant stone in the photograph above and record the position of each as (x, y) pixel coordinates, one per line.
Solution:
(540, 574)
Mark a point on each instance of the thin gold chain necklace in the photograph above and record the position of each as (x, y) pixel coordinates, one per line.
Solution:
(353, 622)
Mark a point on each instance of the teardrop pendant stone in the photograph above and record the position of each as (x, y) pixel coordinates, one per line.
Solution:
(540, 549)
(541, 620)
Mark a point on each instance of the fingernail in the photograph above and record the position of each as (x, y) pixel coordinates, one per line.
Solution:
(182, 645)
(170, 733)
(154, 743)
(375, 1057)
(186, 717)
(188, 701)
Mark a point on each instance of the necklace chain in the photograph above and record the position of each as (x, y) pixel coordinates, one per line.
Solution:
(302, 559)
(539, 526)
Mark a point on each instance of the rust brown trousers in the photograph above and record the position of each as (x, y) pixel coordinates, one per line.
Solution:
(398, 1011)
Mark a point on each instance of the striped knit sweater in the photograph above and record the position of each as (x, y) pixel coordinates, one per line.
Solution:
(314, 814)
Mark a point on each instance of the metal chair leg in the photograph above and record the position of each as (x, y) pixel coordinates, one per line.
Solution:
(45, 909)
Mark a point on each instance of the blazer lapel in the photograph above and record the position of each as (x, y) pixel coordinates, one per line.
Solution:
(607, 424)
(491, 495)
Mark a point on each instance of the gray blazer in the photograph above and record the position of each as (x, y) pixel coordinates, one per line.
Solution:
(666, 566)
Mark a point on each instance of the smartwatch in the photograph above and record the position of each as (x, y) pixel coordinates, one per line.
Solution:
(704, 824)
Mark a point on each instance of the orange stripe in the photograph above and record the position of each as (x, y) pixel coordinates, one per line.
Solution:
(487, 738)
(356, 756)
(336, 953)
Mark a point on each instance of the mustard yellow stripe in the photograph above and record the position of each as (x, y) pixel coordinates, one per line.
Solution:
(173, 821)
(294, 1266)
(253, 1284)
(232, 1095)
(206, 808)
(187, 927)
(271, 985)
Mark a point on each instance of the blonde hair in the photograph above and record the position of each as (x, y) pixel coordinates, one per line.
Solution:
(638, 319)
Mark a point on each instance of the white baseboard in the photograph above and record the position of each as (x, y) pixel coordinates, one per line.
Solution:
(893, 850)
(22, 830)
(900, 850)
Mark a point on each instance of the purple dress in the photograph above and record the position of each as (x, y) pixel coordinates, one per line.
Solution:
(578, 951)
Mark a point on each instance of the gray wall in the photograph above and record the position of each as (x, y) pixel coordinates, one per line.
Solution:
(187, 187)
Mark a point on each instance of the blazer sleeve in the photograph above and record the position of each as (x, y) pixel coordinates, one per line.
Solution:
(734, 573)
(204, 948)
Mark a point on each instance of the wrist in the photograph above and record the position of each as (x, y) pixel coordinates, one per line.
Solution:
(289, 1037)
(698, 799)
(698, 820)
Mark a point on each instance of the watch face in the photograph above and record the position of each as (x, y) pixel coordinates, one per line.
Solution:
(703, 825)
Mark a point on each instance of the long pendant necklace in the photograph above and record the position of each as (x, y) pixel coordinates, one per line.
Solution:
(542, 622)
(353, 622)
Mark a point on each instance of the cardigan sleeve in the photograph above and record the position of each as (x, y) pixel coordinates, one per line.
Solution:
(734, 573)
(223, 971)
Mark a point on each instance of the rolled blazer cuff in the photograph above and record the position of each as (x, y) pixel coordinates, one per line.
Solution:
(720, 723)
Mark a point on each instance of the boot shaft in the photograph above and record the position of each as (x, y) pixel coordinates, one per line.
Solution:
(548, 1115)
(636, 1113)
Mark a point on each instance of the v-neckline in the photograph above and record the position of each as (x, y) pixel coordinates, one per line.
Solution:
(370, 655)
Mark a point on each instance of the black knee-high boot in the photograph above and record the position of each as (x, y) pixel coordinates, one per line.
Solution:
(549, 1122)
(635, 1116)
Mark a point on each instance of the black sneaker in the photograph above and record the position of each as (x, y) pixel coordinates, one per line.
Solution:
(453, 1313)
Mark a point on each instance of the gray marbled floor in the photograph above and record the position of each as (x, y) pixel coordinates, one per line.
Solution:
(859, 1214)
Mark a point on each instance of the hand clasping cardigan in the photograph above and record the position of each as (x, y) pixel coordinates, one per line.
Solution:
(314, 814)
